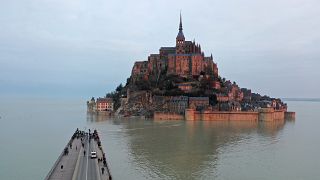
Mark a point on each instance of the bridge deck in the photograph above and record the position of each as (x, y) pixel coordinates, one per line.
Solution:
(65, 166)
(75, 162)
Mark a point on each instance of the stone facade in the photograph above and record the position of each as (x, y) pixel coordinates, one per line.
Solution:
(263, 114)
(178, 104)
(168, 116)
(198, 102)
(100, 105)
(233, 91)
(185, 87)
(216, 85)
(222, 98)
(140, 70)
(104, 104)
(91, 105)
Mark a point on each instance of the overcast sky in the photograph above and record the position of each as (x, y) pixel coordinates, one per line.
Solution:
(83, 48)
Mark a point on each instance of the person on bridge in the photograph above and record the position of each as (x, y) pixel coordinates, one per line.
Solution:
(84, 153)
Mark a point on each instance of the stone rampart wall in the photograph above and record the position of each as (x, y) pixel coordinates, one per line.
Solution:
(278, 115)
(290, 115)
(167, 116)
(226, 116)
(193, 115)
(269, 114)
(261, 115)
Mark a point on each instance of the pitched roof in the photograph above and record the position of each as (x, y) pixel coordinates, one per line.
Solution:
(199, 98)
(100, 100)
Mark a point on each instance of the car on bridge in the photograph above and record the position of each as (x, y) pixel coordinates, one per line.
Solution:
(93, 154)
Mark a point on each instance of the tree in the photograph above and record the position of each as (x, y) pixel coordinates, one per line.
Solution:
(168, 85)
(119, 88)
(142, 84)
(128, 81)
(213, 100)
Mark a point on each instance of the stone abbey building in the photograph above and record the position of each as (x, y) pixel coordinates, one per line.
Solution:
(184, 59)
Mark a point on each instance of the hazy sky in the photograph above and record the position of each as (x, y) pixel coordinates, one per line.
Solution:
(83, 48)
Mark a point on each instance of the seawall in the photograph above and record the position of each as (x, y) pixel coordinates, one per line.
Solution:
(228, 116)
(193, 115)
(290, 115)
(269, 114)
(263, 114)
(167, 116)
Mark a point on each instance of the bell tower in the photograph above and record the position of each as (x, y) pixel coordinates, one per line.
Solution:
(180, 40)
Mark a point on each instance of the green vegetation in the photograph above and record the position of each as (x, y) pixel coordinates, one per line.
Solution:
(167, 85)
(116, 95)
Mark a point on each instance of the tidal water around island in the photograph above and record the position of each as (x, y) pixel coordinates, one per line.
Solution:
(33, 132)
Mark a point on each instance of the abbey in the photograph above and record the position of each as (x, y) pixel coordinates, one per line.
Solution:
(184, 59)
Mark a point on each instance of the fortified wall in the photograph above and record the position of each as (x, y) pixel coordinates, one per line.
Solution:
(167, 116)
(193, 115)
(269, 114)
(263, 114)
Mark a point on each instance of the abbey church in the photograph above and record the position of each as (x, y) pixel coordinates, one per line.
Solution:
(185, 59)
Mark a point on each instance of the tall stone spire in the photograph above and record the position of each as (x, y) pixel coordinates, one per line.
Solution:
(180, 34)
(180, 25)
(180, 40)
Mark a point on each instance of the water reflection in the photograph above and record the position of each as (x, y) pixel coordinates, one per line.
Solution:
(94, 117)
(187, 149)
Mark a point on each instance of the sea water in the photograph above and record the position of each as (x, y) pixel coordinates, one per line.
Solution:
(34, 131)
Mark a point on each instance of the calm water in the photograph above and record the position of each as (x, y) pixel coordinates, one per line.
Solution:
(34, 131)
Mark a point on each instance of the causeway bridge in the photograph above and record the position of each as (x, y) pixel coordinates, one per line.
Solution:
(82, 159)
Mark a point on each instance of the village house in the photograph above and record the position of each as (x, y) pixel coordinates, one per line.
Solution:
(140, 71)
(216, 85)
(222, 98)
(104, 104)
(185, 87)
(178, 104)
(246, 94)
(199, 103)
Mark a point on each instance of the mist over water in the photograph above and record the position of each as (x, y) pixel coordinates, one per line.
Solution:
(32, 137)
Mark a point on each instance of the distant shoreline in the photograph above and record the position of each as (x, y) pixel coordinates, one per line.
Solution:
(302, 99)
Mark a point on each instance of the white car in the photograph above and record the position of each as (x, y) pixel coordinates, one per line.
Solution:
(93, 154)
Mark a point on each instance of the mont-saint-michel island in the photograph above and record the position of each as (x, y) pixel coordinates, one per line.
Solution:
(181, 82)
(159, 90)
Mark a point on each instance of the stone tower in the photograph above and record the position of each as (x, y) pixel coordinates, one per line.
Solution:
(180, 40)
